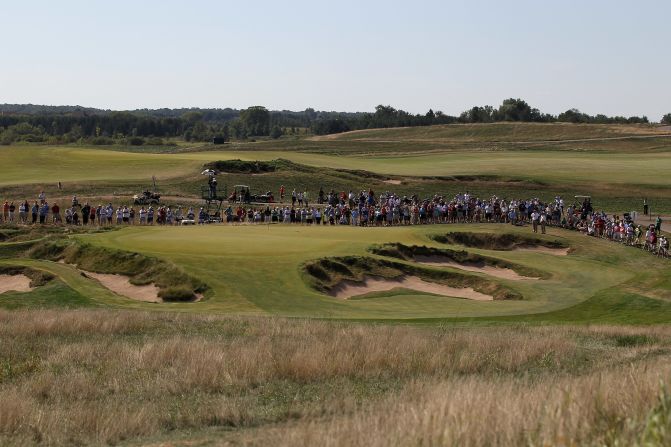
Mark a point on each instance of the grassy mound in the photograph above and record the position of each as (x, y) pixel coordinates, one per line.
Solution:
(244, 167)
(141, 269)
(408, 253)
(497, 241)
(326, 273)
(16, 233)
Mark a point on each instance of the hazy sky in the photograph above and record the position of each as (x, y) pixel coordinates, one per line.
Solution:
(610, 57)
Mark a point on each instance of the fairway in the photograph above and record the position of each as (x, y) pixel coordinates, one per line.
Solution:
(40, 164)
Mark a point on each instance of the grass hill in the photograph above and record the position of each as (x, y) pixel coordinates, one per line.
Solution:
(492, 132)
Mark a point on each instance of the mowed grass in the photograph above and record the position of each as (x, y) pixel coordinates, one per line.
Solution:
(43, 164)
(258, 270)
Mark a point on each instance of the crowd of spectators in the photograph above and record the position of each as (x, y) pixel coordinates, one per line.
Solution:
(362, 209)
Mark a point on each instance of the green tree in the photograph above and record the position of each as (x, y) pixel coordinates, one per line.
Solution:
(666, 119)
(256, 120)
(276, 132)
(515, 110)
(237, 129)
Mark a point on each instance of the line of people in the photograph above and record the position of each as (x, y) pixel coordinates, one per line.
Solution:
(44, 213)
(364, 209)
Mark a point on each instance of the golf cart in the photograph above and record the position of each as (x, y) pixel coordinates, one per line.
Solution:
(147, 198)
(263, 198)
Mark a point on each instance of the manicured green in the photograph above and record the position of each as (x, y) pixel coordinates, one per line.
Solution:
(258, 270)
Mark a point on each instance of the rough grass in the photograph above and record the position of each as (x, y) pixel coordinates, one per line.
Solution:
(54, 294)
(497, 241)
(110, 377)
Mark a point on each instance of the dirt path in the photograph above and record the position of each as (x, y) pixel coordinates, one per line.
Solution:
(645, 221)
(497, 272)
(349, 289)
(14, 283)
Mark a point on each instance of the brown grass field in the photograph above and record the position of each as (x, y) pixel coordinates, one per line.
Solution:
(131, 378)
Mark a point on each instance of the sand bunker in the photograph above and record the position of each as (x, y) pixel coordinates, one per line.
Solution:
(349, 289)
(392, 182)
(498, 272)
(547, 250)
(14, 283)
(121, 285)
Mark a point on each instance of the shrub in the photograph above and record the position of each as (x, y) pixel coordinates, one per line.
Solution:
(136, 141)
(102, 141)
(154, 141)
(178, 294)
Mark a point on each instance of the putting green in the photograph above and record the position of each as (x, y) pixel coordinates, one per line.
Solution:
(257, 270)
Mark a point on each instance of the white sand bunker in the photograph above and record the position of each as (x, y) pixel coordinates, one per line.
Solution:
(392, 182)
(14, 283)
(349, 289)
(547, 250)
(498, 272)
(121, 285)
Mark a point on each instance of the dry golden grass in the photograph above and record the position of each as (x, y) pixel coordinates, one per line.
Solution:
(108, 377)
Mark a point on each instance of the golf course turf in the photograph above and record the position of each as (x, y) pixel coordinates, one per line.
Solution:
(259, 270)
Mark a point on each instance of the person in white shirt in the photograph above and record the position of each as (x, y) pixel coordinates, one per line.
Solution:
(535, 216)
(543, 219)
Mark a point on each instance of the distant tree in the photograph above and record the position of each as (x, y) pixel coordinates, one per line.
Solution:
(573, 116)
(192, 118)
(515, 110)
(478, 115)
(276, 132)
(237, 129)
(256, 120)
(666, 119)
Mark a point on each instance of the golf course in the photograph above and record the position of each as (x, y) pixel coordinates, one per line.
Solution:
(256, 333)
(349, 224)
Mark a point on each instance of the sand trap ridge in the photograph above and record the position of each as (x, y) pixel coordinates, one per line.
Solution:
(349, 289)
(121, 285)
(498, 272)
(14, 283)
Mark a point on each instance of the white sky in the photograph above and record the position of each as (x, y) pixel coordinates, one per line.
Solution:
(609, 57)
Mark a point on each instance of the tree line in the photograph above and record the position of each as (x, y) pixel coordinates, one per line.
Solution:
(68, 124)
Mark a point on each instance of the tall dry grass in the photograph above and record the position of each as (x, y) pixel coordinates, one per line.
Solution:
(80, 377)
(605, 408)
